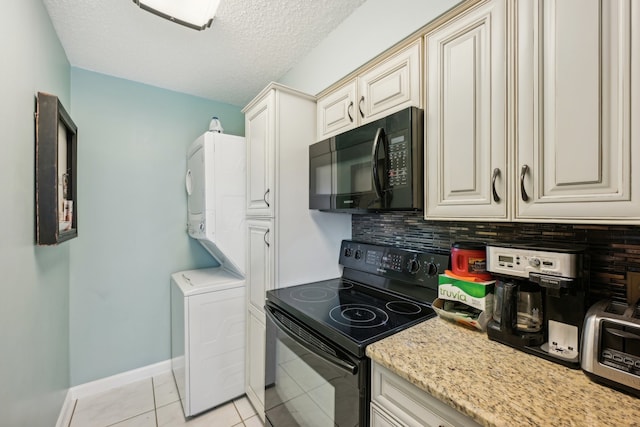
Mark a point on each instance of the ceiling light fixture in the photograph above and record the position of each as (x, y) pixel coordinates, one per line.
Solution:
(196, 14)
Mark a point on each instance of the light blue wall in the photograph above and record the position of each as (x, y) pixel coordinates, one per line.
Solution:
(132, 145)
(34, 302)
(370, 30)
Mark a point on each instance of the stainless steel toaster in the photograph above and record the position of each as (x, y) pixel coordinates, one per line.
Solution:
(611, 345)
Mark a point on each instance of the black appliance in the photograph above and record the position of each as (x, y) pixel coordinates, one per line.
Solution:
(374, 167)
(540, 298)
(316, 370)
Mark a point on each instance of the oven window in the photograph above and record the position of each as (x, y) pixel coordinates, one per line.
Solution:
(305, 389)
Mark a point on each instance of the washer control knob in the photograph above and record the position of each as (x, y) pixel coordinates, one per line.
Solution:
(413, 266)
(534, 262)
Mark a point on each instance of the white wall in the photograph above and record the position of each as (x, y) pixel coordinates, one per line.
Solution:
(370, 30)
(34, 290)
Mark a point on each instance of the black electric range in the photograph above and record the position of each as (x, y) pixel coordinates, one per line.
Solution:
(348, 313)
(326, 326)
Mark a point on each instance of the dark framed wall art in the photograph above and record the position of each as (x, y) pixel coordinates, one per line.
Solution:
(56, 198)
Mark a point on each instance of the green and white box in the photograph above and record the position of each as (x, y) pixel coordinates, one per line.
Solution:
(475, 294)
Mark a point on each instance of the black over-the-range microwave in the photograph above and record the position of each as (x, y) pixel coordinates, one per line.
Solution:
(372, 168)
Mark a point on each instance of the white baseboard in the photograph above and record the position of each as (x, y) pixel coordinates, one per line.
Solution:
(67, 410)
(118, 380)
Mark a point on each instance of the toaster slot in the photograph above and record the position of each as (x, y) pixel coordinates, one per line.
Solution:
(620, 347)
(616, 308)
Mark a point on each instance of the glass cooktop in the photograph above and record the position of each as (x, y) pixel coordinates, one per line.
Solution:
(348, 313)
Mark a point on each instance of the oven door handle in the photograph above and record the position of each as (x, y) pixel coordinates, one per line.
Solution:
(345, 365)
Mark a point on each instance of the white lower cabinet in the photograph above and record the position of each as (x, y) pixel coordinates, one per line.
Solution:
(260, 251)
(379, 418)
(254, 364)
(396, 402)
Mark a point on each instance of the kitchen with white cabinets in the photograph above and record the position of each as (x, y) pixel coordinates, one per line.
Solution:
(502, 85)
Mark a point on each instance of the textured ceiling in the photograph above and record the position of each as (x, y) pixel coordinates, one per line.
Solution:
(250, 43)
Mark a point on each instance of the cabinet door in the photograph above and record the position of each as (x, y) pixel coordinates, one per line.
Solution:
(337, 111)
(254, 373)
(260, 138)
(576, 60)
(380, 419)
(392, 85)
(260, 256)
(410, 406)
(465, 174)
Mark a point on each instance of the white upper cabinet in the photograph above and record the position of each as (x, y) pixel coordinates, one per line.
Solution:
(260, 137)
(389, 86)
(577, 128)
(465, 120)
(337, 112)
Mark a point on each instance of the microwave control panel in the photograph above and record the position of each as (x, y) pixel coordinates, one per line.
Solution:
(398, 161)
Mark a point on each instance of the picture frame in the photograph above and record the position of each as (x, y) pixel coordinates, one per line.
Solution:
(56, 165)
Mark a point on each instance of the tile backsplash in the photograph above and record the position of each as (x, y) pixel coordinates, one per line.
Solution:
(613, 250)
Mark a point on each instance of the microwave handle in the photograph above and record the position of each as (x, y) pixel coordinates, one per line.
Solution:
(374, 160)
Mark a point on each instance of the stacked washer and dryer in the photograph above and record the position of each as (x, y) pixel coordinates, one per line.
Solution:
(208, 305)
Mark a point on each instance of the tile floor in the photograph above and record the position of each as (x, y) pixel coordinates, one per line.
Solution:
(154, 402)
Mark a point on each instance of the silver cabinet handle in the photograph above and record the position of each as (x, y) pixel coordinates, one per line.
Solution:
(349, 108)
(496, 174)
(523, 191)
(265, 238)
(360, 107)
(265, 197)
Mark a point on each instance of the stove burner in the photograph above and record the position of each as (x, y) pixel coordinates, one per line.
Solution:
(313, 294)
(340, 285)
(359, 315)
(403, 307)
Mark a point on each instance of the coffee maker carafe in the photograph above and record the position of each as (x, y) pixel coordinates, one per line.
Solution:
(540, 299)
(517, 313)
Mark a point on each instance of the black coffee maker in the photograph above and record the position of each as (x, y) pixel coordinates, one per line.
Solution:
(540, 299)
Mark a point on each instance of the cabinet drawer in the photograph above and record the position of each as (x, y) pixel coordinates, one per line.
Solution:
(409, 404)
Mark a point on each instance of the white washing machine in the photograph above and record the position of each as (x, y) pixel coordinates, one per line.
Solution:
(207, 337)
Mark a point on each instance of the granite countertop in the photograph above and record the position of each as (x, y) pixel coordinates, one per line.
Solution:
(497, 385)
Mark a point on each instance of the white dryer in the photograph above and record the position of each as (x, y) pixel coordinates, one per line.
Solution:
(207, 337)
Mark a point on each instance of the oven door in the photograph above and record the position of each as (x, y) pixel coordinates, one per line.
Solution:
(308, 380)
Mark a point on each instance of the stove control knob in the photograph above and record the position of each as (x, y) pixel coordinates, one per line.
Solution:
(431, 269)
(413, 266)
(347, 252)
(358, 254)
(534, 262)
